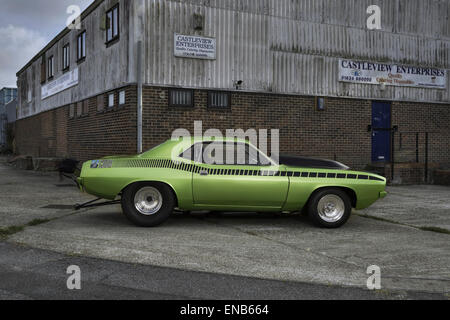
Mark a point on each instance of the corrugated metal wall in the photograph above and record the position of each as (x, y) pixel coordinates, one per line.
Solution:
(105, 68)
(280, 46)
(293, 46)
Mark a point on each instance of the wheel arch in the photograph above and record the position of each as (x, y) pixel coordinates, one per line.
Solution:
(152, 182)
(349, 191)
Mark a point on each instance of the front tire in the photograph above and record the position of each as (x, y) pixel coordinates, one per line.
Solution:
(148, 204)
(330, 208)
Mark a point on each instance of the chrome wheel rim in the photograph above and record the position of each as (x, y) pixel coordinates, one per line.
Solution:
(148, 201)
(331, 208)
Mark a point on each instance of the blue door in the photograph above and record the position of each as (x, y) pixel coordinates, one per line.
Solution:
(381, 135)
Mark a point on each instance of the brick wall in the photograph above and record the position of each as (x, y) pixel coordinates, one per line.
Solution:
(339, 132)
(108, 132)
(93, 134)
(423, 117)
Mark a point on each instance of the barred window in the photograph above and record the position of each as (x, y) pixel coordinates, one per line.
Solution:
(219, 99)
(181, 98)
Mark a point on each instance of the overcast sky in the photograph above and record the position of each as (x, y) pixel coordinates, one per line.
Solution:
(26, 26)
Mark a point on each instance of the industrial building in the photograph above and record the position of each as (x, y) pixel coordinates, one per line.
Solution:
(8, 97)
(311, 68)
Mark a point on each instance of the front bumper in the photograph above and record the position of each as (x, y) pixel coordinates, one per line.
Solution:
(383, 194)
(80, 184)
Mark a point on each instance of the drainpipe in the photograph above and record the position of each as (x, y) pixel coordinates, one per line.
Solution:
(139, 97)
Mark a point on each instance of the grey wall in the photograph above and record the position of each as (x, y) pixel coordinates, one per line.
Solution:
(293, 46)
(280, 46)
(105, 68)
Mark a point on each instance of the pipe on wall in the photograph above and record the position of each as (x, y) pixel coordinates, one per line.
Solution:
(139, 97)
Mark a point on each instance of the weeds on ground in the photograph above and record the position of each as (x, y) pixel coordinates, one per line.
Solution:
(5, 232)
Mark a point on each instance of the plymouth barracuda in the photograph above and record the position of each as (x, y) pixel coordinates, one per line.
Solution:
(228, 175)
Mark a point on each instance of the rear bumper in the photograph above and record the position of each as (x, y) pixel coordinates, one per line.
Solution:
(383, 194)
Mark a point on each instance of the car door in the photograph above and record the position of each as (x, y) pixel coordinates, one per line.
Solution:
(252, 184)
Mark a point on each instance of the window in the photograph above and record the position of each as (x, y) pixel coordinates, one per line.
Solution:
(72, 111)
(79, 109)
(81, 46)
(112, 24)
(219, 99)
(100, 102)
(320, 104)
(121, 97)
(50, 66)
(43, 70)
(86, 107)
(66, 57)
(111, 100)
(181, 98)
(223, 153)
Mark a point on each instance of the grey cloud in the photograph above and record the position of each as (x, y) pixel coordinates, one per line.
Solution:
(46, 16)
(25, 28)
(18, 45)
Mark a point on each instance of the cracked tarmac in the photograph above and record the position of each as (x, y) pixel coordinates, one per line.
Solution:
(277, 248)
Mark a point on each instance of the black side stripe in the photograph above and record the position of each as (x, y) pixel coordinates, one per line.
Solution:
(163, 163)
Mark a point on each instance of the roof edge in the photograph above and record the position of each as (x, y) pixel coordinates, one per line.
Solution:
(60, 35)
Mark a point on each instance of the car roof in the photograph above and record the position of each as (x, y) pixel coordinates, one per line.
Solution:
(208, 139)
(165, 149)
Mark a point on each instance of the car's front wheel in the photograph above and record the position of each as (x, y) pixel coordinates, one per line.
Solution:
(330, 208)
(148, 204)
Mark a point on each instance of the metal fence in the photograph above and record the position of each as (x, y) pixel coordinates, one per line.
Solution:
(418, 148)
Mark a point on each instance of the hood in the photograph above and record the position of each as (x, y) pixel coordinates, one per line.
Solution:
(304, 162)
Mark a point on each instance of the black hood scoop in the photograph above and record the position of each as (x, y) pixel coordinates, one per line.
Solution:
(304, 162)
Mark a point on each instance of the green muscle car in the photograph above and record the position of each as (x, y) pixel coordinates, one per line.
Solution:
(228, 175)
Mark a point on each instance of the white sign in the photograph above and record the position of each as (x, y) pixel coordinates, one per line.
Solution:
(194, 47)
(391, 74)
(64, 82)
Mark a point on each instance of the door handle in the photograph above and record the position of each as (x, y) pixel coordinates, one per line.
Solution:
(204, 172)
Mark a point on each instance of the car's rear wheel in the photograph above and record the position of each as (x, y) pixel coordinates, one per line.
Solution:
(330, 208)
(148, 204)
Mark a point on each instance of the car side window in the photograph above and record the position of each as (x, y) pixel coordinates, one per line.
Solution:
(194, 152)
(226, 153)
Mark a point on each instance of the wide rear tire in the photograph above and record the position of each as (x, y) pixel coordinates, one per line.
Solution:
(329, 208)
(148, 204)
